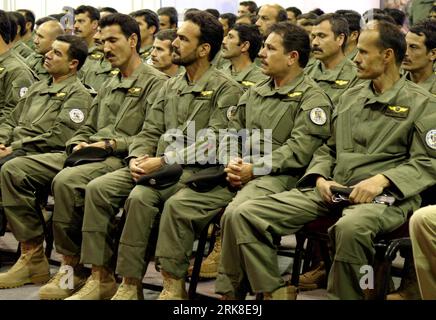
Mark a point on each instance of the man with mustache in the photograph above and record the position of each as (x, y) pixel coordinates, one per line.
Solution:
(333, 72)
(383, 143)
(161, 55)
(117, 115)
(43, 40)
(43, 121)
(148, 22)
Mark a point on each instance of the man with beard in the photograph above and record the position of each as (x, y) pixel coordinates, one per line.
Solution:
(44, 37)
(117, 114)
(333, 72)
(191, 103)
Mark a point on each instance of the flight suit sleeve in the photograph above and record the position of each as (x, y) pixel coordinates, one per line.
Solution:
(87, 129)
(10, 122)
(20, 81)
(71, 116)
(419, 171)
(154, 126)
(206, 145)
(311, 129)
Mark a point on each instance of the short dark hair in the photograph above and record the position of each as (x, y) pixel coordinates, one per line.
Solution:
(19, 20)
(44, 19)
(211, 30)
(426, 28)
(379, 17)
(92, 12)
(13, 27)
(391, 37)
(169, 34)
(170, 12)
(230, 17)
(213, 12)
(338, 24)
(317, 11)
(5, 27)
(57, 16)
(108, 9)
(396, 14)
(294, 38)
(127, 24)
(149, 16)
(78, 48)
(353, 18)
(250, 33)
(253, 18)
(295, 10)
(29, 16)
(252, 6)
(310, 18)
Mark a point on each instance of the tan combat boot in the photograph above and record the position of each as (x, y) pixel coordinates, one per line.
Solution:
(314, 279)
(31, 267)
(408, 290)
(173, 289)
(100, 285)
(57, 288)
(129, 289)
(209, 266)
(287, 292)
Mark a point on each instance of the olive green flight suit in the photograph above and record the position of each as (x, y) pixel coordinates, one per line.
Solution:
(219, 62)
(423, 235)
(295, 137)
(144, 53)
(96, 70)
(352, 54)
(334, 82)
(36, 63)
(419, 10)
(42, 121)
(22, 49)
(117, 113)
(247, 77)
(15, 79)
(387, 134)
(429, 84)
(179, 104)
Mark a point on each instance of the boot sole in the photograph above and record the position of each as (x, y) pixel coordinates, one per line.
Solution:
(41, 279)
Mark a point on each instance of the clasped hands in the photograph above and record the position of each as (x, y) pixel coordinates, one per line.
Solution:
(239, 172)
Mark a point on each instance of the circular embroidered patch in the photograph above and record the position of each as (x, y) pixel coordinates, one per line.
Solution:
(77, 116)
(23, 91)
(318, 116)
(231, 112)
(430, 139)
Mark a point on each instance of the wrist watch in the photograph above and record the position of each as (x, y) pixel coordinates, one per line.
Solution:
(108, 146)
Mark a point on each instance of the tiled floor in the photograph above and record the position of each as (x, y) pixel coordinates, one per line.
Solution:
(152, 278)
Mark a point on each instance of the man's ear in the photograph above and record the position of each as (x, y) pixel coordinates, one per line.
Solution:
(94, 25)
(204, 49)
(245, 46)
(73, 64)
(388, 55)
(432, 54)
(133, 40)
(293, 57)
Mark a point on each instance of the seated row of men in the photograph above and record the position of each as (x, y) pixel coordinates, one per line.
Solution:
(334, 124)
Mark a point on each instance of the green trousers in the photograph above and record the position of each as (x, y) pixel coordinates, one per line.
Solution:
(248, 248)
(187, 213)
(423, 236)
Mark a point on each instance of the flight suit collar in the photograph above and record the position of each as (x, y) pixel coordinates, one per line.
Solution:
(127, 83)
(57, 87)
(5, 55)
(240, 76)
(201, 84)
(267, 89)
(427, 84)
(331, 75)
(386, 97)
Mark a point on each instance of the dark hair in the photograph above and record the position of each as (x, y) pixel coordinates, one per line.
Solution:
(211, 30)
(13, 27)
(371, 12)
(281, 15)
(170, 12)
(127, 24)
(426, 28)
(252, 6)
(317, 11)
(108, 9)
(250, 33)
(169, 34)
(295, 10)
(44, 19)
(338, 24)
(149, 16)
(253, 18)
(19, 20)
(29, 16)
(78, 48)
(396, 14)
(391, 37)
(92, 12)
(213, 12)
(310, 18)
(5, 27)
(230, 17)
(294, 38)
(57, 16)
(353, 18)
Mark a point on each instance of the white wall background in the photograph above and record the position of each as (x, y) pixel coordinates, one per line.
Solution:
(45, 7)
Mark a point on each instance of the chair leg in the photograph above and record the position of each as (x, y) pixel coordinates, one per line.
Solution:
(195, 276)
(299, 250)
